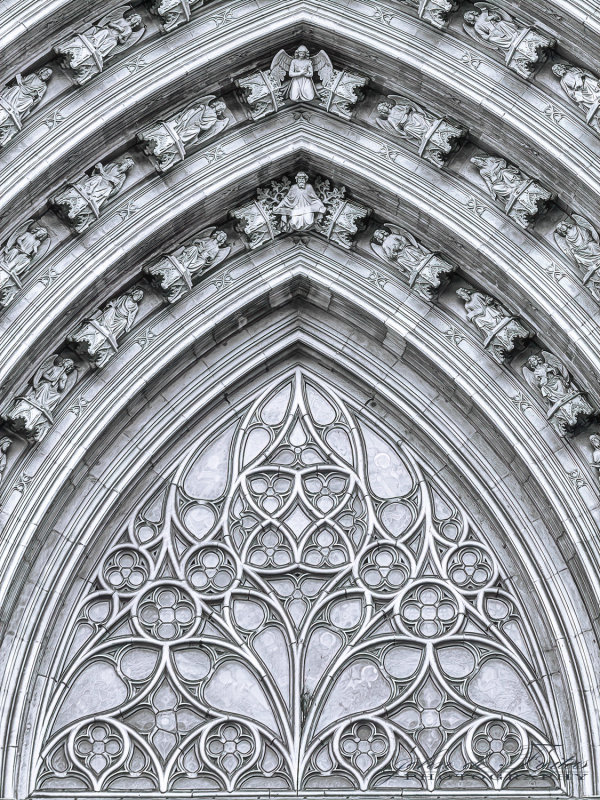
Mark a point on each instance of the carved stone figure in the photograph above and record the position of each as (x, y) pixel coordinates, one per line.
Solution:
(595, 462)
(524, 49)
(437, 12)
(291, 79)
(31, 414)
(80, 202)
(168, 141)
(567, 406)
(426, 271)
(27, 244)
(300, 207)
(579, 241)
(436, 137)
(583, 88)
(85, 54)
(97, 338)
(523, 198)
(19, 99)
(280, 208)
(5, 444)
(174, 13)
(502, 332)
(174, 273)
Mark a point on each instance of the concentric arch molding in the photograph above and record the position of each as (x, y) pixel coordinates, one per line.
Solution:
(404, 192)
(490, 99)
(452, 445)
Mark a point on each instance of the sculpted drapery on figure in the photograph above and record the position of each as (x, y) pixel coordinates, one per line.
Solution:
(81, 202)
(567, 406)
(300, 207)
(427, 272)
(436, 137)
(522, 197)
(97, 337)
(19, 99)
(168, 141)
(26, 245)
(173, 274)
(524, 49)
(31, 414)
(292, 79)
(85, 54)
(502, 332)
(579, 241)
(583, 88)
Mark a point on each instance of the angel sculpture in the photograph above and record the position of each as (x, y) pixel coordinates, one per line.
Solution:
(595, 442)
(435, 137)
(579, 241)
(31, 413)
(172, 275)
(29, 242)
(583, 88)
(18, 100)
(300, 70)
(84, 54)
(425, 270)
(5, 444)
(522, 46)
(566, 405)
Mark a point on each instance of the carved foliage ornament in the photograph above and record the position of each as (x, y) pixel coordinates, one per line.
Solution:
(80, 203)
(291, 79)
(437, 12)
(523, 48)
(19, 99)
(173, 274)
(501, 330)
(300, 608)
(26, 245)
(426, 271)
(85, 54)
(97, 337)
(523, 198)
(567, 406)
(168, 142)
(281, 207)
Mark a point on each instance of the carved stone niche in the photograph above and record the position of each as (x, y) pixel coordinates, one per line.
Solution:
(26, 245)
(290, 79)
(280, 207)
(84, 55)
(567, 408)
(502, 332)
(426, 271)
(523, 198)
(167, 142)
(31, 414)
(174, 13)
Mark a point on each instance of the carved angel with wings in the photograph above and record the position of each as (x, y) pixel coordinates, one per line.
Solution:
(300, 70)
(579, 241)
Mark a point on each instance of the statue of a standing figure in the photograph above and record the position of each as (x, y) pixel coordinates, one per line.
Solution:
(173, 274)
(80, 202)
(97, 338)
(502, 332)
(18, 100)
(31, 414)
(425, 270)
(300, 207)
(579, 241)
(436, 137)
(524, 49)
(522, 197)
(299, 71)
(5, 443)
(567, 406)
(85, 54)
(168, 141)
(583, 88)
(27, 244)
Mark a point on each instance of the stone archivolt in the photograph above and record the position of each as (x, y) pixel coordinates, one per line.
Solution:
(342, 216)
